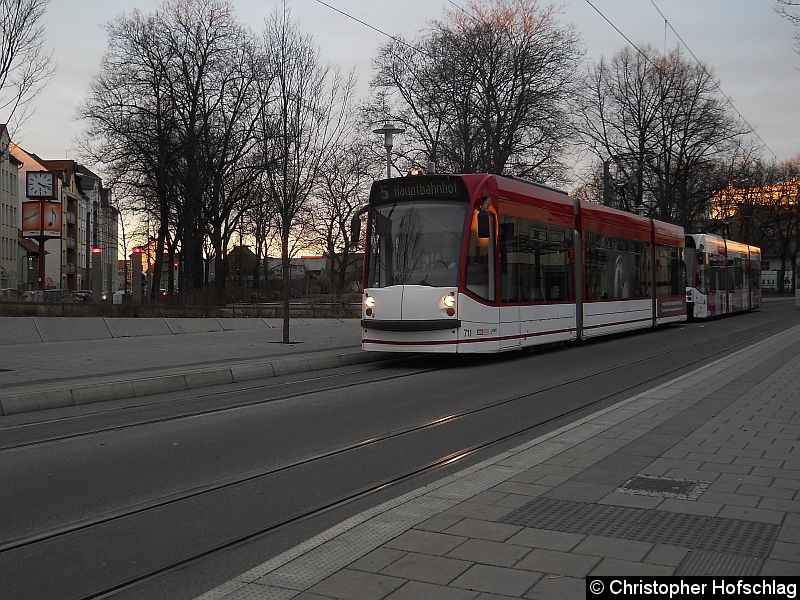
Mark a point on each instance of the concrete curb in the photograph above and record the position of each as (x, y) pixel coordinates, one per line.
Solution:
(76, 395)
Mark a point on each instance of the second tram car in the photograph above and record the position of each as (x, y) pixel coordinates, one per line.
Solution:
(485, 263)
(722, 276)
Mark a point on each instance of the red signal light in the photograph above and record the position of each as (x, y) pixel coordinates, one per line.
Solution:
(96, 250)
(137, 250)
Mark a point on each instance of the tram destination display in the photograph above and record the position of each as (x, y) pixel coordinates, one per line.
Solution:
(419, 188)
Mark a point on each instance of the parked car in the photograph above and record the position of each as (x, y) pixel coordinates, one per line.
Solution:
(83, 295)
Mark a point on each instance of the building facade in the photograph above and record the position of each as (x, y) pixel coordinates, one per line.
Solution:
(109, 240)
(31, 162)
(89, 221)
(10, 215)
(75, 204)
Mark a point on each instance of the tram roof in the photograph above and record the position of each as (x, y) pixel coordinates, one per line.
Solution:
(514, 187)
(719, 245)
(613, 222)
(668, 234)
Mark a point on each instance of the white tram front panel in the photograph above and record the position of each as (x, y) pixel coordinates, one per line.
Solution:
(410, 318)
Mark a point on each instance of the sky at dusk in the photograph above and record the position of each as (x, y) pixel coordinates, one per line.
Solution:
(745, 42)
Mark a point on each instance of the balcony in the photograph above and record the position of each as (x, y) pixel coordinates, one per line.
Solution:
(72, 218)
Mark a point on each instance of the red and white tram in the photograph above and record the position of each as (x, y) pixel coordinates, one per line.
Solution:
(484, 263)
(722, 276)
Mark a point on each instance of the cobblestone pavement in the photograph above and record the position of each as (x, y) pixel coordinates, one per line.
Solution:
(700, 475)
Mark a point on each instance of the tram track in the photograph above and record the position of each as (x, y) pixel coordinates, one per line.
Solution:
(364, 492)
(6, 444)
(126, 410)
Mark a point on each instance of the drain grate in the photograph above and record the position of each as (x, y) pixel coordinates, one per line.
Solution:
(664, 487)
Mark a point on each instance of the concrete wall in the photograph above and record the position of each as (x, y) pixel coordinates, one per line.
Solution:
(131, 327)
(18, 330)
(33, 330)
(70, 329)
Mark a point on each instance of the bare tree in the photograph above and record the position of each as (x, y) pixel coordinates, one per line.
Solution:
(661, 122)
(486, 90)
(202, 35)
(231, 113)
(258, 225)
(303, 116)
(790, 10)
(172, 117)
(344, 182)
(409, 92)
(132, 127)
(25, 66)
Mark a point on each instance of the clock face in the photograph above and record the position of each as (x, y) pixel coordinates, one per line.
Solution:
(40, 184)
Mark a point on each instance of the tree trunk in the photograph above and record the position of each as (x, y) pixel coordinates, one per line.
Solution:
(286, 283)
(155, 283)
(220, 264)
(171, 270)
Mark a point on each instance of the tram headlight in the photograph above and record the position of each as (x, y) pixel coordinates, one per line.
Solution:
(369, 302)
(448, 304)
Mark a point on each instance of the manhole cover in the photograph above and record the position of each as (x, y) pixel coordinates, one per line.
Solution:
(664, 487)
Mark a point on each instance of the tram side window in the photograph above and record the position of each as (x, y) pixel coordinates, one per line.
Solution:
(755, 275)
(534, 261)
(716, 273)
(509, 277)
(480, 261)
(738, 274)
(616, 268)
(670, 276)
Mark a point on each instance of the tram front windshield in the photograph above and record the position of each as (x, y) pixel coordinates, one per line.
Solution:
(415, 243)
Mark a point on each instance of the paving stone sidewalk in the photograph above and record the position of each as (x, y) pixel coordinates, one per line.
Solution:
(700, 475)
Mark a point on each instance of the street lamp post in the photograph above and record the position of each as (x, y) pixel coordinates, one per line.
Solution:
(388, 131)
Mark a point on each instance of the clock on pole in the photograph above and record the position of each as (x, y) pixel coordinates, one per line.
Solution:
(40, 184)
(41, 219)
